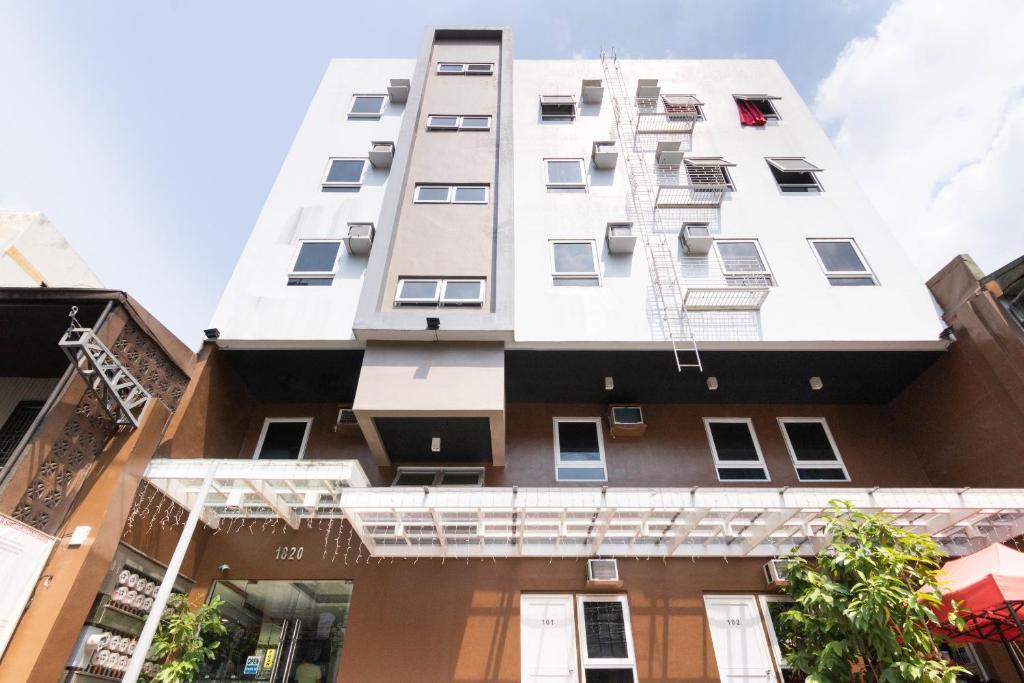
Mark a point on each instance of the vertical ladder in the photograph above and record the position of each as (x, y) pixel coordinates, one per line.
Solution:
(660, 254)
(120, 395)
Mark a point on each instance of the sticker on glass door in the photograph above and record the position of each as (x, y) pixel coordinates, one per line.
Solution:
(548, 639)
(741, 648)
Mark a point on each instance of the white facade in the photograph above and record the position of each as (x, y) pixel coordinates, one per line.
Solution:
(33, 253)
(802, 310)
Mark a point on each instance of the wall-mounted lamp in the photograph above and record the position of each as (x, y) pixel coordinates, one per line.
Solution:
(816, 383)
(435, 444)
(433, 324)
(713, 383)
(609, 383)
(212, 333)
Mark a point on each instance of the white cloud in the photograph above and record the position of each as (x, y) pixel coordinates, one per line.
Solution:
(929, 112)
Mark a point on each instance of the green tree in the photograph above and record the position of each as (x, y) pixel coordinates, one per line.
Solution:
(862, 609)
(185, 640)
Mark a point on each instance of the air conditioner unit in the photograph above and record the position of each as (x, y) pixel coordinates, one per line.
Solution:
(346, 418)
(775, 573)
(359, 238)
(603, 572)
(696, 239)
(605, 154)
(382, 154)
(593, 91)
(648, 88)
(398, 90)
(621, 238)
(626, 421)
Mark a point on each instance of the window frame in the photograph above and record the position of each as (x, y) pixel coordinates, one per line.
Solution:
(439, 473)
(460, 122)
(559, 117)
(602, 463)
(452, 193)
(809, 188)
(574, 275)
(867, 274)
(418, 301)
(441, 65)
(766, 273)
(442, 301)
(837, 464)
(365, 115)
(327, 184)
(722, 165)
(588, 662)
(769, 623)
(769, 99)
(465, 69)
(266, 426)
(582, 185)
(485, 188)
(326, 274)
(438, 300)
(736, 464)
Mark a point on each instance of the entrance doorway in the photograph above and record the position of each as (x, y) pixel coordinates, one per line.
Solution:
(738, 636)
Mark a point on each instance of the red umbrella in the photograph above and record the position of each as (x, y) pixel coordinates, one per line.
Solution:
(989, 584)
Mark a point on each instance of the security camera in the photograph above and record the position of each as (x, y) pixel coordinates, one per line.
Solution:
(224, 568)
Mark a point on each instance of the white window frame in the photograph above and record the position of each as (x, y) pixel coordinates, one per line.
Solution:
(334, 183)
(463, 126)
(580, 464)
(455, 194)
(836, 464)
(766, 273)
(830, 275)
(559, 117)
(555, 275)
(439, 473)
(587, 662)
(711, 162)
(460, 122)
(266, 425)
(736, 464)
(418, 200)
(399, 300)
(435, 126)
(367, 115)
(770, 99)
(769, 624)
(465, 70)
(461, 71)
(314, 273)
(817, 186)
(562, 185)
(452, 193)
(444, 301)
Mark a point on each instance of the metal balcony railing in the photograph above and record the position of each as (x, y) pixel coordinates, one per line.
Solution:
(692, 196)
(666, 114)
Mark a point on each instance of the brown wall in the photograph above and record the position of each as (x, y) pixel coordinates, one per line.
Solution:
(459, 621)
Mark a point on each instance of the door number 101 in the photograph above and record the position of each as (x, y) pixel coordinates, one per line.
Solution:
(288, 552)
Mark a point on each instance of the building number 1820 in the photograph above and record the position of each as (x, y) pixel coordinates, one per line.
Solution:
(288, 552)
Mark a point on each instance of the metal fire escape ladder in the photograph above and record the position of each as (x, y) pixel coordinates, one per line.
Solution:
(120, 395)
(668, 293)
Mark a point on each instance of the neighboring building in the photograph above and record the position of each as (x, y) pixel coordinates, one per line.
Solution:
(499, 317)
(33, 253)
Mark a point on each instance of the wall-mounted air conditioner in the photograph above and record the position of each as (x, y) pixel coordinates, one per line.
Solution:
(398, 90)
(382, 154)
(359, 238)
(626, 421)
(603, 572)
(346, 418)
(775, 573)
(605, 154)
(648, 88)
(696, 239)
(621, 238)
(593, 91)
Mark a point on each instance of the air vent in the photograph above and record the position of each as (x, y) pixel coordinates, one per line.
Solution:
(601, 572)
(346, 418)
(775, 573)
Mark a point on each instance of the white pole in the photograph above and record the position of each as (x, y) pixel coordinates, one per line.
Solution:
(131, 674)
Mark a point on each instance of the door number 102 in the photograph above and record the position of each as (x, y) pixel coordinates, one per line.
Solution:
(288, 552)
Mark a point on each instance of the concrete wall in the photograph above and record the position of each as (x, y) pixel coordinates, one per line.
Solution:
(32, 252)
(802, 308)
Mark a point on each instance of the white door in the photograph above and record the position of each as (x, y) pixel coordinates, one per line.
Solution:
(23, 555)
(548, 639)
(741, 647)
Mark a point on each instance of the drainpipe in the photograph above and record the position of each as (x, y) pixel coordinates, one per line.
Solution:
(131, 674)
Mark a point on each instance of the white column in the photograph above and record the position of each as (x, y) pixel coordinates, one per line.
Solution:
(131, 674)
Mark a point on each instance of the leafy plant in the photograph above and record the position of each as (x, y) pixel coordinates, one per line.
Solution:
(185, 640)
(862, 610)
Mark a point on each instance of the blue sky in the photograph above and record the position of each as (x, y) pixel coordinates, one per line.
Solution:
(151, 132)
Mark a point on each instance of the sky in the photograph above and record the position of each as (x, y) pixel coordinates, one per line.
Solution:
(150, 133)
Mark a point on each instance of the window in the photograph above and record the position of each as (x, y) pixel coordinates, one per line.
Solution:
(344, 173)
(813, 449)
(433, 292)
(283, 438)
(437, 476)
(565, 173)
(735, 449)
(712, 171)
(579, 449)
(574, 264)
(16, 426)
(557, 108)
(451, 122)
(795, 174)
(843, 264)
(606, 639)
(743, 264)
(683, 107)
(451, 194)
(463, 68)
(366, 106)
(773, 606)
(315, 263)
(762, 105)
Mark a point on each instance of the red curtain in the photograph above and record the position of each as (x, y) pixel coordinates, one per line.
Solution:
(750, 115)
